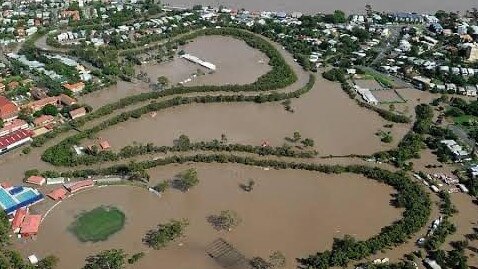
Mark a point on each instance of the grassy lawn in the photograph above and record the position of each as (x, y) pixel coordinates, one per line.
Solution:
(380, 78)
(98, 224)
(464, 119)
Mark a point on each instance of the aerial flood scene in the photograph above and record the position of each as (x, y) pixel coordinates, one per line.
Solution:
(238, 134)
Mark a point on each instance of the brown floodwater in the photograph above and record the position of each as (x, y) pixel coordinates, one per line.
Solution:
(318, 6)
(295, 212)
(326, 114)
(236, 63)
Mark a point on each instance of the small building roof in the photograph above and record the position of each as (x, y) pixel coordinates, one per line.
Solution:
(79, 112)
(36, 180)
(67, 100)
(31, 224)
(43, 119)
(105, 144)
(18, 218)
(79, 185)
(58, 194)
(76, 87)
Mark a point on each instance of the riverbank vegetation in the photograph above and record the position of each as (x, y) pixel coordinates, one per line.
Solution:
(62, 154)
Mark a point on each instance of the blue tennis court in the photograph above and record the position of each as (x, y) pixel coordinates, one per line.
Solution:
(6, 200)
(26, 195)
(14, 198)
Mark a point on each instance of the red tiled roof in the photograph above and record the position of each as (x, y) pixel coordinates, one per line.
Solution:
(43, 119)
(7, 108)
(14, 137)
(6, 184)
(31, 224)
(57, 194)
(18, 219)
(37, 180)
(79, 185)
(39, 104)
(105, 145)
(79, 112)
(77, 87)
(67, 100)
(13, 126)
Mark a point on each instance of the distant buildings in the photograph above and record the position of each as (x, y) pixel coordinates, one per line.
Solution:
(472, 52)
(407, 17)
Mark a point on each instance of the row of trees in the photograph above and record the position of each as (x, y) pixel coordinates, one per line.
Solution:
(183, 145)
(62, 154)
(410, 196)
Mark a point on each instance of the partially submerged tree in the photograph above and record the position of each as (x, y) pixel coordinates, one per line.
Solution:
(249, 186)
(107, 259)
(186, 180)
(226, 220)
(165, 233)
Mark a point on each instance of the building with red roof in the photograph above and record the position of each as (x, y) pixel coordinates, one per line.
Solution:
(36, 180)
(75, 88)
(105, 145)
(15, 139)
(6, 184)
(18, 219)
(39, 104)
(30, 225)
(12, 126)
(79, 185)
(67, 100)
(78, 113)
(58, 194)
(43, 120)
(8, 109)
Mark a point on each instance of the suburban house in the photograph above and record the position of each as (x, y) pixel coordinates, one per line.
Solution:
(67, 100)
(36, 180)
(8, 109)
(39, 104)
(75, 88)
(78, 113)
(43, 120)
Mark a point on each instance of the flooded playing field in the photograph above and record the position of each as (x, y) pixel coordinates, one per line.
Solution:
(235, 61)
(294, 212)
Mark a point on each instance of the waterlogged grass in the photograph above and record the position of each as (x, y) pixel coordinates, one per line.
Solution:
(465, 119)
(98, 224)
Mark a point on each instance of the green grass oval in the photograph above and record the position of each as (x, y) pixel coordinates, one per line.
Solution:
(98, 224)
